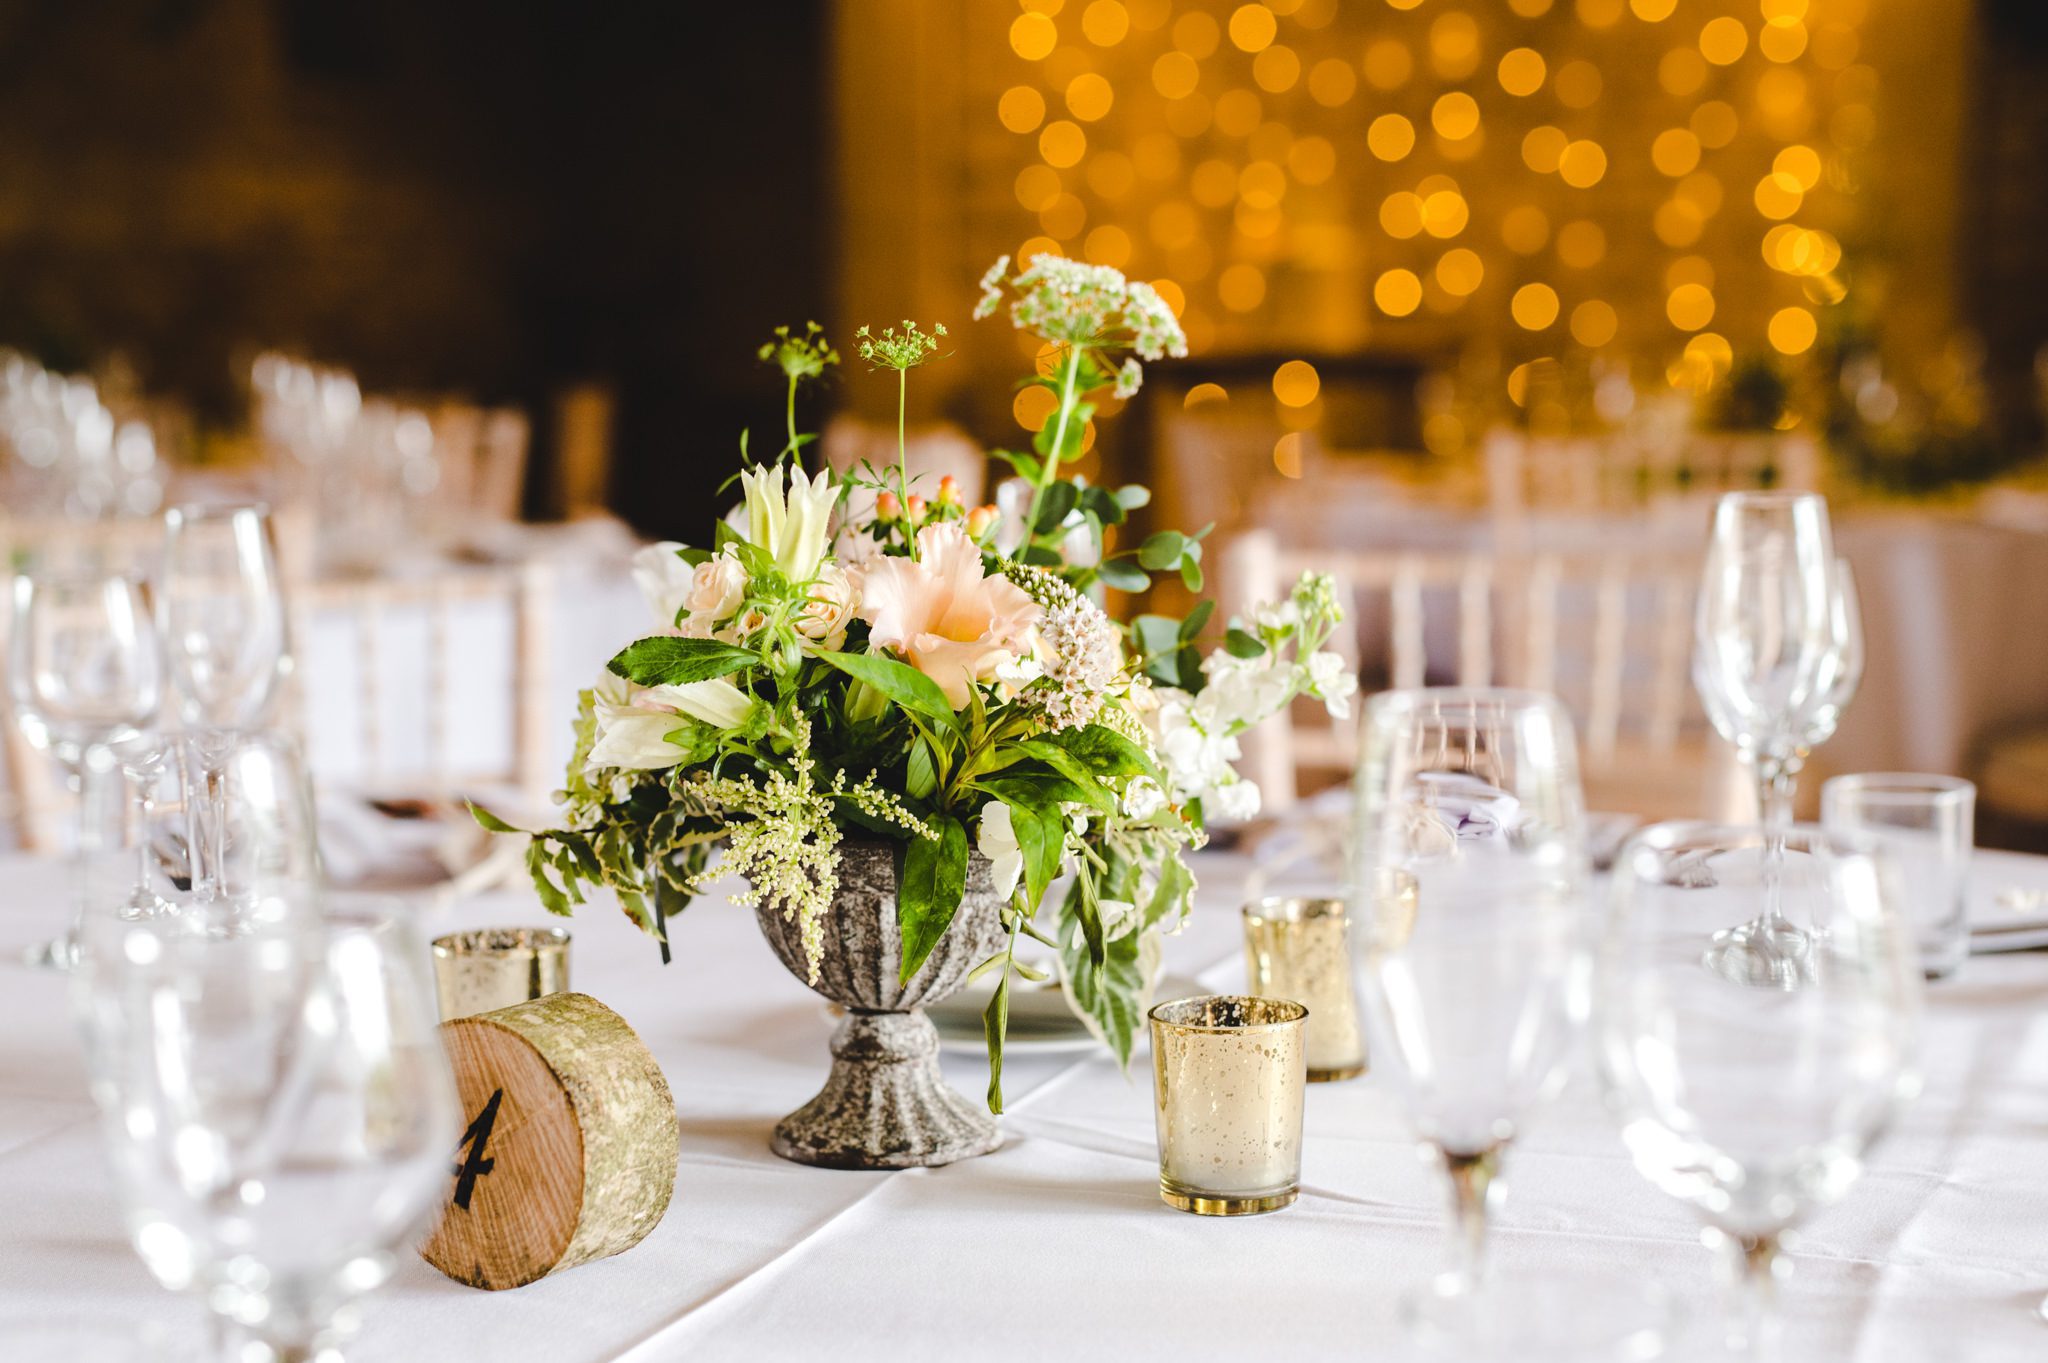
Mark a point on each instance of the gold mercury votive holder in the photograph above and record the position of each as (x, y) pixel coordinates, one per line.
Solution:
(1229, 1075)
(487, 969)
(1300, 949)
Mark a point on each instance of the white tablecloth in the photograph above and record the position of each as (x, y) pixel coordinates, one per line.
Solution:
(1057, 1245)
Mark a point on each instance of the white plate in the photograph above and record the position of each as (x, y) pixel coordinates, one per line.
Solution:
(1040, 1021)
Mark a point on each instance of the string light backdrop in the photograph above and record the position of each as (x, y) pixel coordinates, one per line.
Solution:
(1660, 185)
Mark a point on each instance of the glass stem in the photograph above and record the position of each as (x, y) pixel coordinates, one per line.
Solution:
(1750, 1268)
(1774, 782)
(1472, 1190)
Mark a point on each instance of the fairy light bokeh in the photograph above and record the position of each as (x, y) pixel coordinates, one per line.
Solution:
(1653, 185)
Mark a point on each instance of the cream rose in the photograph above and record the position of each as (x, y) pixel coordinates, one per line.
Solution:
(717, 587)
(828, 606)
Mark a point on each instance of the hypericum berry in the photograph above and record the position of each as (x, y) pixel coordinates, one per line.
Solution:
(887, 507)
(949, 491)
(980, 519)
(917, 508)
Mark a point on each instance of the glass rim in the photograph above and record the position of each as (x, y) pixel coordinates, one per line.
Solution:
(1156, 1014)
(213, 511)
(1401, 700)
(476, 942)
(1295, 908)
(1767, 497)
(1901, 788)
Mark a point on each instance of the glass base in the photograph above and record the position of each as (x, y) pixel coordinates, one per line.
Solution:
(1760, 954)
(1336, 1074)
(1224, 1204)
(1541, 1316)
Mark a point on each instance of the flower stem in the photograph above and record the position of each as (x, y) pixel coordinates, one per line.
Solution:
(1059, 439)
(903, 456)
(790, 448)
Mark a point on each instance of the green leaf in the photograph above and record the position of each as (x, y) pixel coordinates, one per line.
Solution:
(1107, 992)
(665, 661)
(551, 896)
(1041, 829)
(1197, 621)
(928, 892)
(920, 777)
(1162, 550)
(1105, 752)
(1170, 899)
(1239, 644)
(1069, 766)
(900, 682)
(995, 1025)
(1191, 573)
(1053, 507)
(1123, 575)
(1131, 496)
(490, 822)
(1041, 556)
(1102, 504)
(1034, 789)
(1028, 468)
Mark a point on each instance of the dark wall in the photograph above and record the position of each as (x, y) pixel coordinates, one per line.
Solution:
(446, 195)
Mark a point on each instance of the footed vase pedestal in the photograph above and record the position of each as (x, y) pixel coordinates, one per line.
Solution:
(885, 1105)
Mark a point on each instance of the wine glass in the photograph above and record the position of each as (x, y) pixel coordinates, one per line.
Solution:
(1468, 887)
(84, 664)
(279, 1112)
(1777, 653)
(225, 627)
(1755, 1107)
(224, 615)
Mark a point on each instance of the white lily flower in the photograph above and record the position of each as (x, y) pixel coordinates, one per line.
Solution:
(791, 526)
(997, 840)
(717, 702)
(663, 578)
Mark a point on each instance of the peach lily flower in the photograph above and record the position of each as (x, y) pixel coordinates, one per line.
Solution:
(943, 616)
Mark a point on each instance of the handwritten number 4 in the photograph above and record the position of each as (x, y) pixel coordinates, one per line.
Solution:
(476, 1137)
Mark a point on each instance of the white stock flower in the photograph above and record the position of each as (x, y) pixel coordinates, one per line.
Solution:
(663, 579)
(1333, 682)
(717, 702)
(997, 840)
(1234, 802)
(1143, 798)
(791, 527)
(1241, 692)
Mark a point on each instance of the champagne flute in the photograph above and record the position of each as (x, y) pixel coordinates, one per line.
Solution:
(226, 631)
(1755, 1107)
(279, 1112)
(1776, 657)
(1468, 878)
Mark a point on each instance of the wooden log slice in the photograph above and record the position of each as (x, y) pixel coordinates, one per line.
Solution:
(571, 1146)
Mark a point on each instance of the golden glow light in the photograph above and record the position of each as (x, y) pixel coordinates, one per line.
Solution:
(1033, 36)
(1460, 271)
(1105, 23)
(1525, 230)
(1242, 287)
(1792, 331)
(1690, 307)
(1582, 164)
(1455, 115)
(1397, 292)
(1252, 28)
(1676, 152)
(1724, 40)
(1534, 306)
(1521, 71)
(1593, 323)
(1021, 109)
(1296, 383)
(1543, 147)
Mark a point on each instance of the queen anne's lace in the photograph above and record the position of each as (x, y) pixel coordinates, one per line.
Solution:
(1092, 307)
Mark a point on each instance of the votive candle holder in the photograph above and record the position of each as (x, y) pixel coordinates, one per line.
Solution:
(1300, 948)
(491, 968)
(1230, 1072)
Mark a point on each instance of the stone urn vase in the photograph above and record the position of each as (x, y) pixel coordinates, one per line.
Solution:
(885, 1105)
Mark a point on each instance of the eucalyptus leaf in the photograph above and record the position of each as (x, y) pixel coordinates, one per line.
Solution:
(1131, 496)
(1197, 621)
(1163, 550)
(1124, 575)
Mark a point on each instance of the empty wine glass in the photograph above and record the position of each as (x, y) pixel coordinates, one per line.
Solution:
(84, 663)
(279, 1111)
(1471, 955)
(224, 615)
(1777, 654)
(1754, 1106)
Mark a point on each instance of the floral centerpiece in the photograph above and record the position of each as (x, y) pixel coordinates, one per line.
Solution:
(863, 657)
